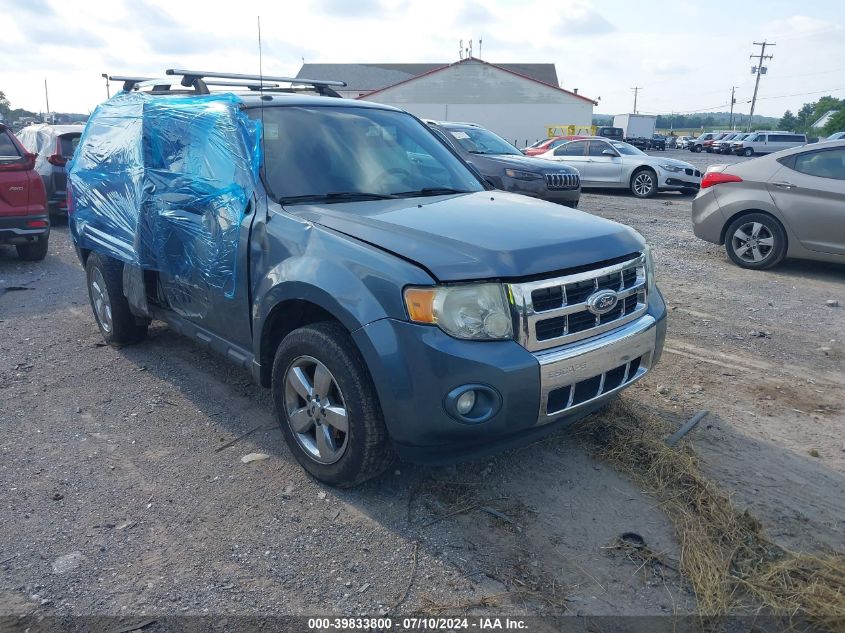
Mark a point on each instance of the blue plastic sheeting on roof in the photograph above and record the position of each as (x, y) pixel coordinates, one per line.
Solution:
(163, 182)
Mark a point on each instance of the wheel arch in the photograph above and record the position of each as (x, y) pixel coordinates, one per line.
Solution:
(739, 214)
(283, 318)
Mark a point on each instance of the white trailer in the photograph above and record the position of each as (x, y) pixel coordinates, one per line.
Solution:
(636, 125)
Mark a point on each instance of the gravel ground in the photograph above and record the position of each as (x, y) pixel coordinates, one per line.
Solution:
(116, 499)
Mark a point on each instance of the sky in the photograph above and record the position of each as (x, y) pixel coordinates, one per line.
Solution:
(684, 55)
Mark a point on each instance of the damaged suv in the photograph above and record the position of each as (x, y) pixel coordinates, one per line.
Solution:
(351, 261)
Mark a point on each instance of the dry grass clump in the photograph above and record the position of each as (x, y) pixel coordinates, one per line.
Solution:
(725, 556)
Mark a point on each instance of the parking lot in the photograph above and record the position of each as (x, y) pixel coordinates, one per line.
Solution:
(124, 492)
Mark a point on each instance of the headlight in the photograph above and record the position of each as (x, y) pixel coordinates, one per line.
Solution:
(649, 269)
(673, 168)
(467, 311)
(522, 175)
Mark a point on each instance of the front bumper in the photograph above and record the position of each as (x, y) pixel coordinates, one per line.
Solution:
(15, 230)
(414, 367)
(673, 181)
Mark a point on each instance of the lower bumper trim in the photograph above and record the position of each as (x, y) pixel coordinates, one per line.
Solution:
(576, 377)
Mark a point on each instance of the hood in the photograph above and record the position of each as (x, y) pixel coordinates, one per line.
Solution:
(484, 235)
(527, 163)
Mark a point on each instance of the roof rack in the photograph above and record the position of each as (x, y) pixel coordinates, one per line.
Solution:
(197, 78)
(199, 81)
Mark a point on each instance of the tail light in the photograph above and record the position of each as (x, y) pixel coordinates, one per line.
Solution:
(24, 163)
(69, 199)
(57, 159)
(717, 178)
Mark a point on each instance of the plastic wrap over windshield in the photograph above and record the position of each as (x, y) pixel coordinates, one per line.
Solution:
(163, 183)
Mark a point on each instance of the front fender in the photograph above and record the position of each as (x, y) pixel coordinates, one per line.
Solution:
(355, 282)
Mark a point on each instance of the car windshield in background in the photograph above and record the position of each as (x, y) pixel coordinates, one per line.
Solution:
(341, 154)
(626, 150)
(69, 143)
(480, 141)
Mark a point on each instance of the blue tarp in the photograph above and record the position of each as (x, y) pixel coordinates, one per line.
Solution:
(162, 182)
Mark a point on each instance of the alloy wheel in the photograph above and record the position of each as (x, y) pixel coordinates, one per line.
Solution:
(316, 410)
(102, 303)
(752, 242)
(643, 183)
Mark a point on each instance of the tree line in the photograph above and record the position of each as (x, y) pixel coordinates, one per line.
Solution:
(811, 112)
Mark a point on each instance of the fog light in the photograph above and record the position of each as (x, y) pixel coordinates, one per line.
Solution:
(465, 402)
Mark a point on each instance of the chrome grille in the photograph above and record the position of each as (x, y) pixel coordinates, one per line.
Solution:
(553, 312)
(562, 181)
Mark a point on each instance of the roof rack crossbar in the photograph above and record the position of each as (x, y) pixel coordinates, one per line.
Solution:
(322, 86)
(131, 83)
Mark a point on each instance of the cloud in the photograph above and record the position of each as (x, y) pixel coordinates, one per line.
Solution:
(41, 8)
(581, 20)
(473, 14)
(54, 32)
(351, 8)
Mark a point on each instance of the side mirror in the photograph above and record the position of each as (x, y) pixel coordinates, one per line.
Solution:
(608, 152)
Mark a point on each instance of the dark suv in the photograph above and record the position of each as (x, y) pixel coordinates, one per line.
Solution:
(23, 206)
(352, 262)
(506, 168)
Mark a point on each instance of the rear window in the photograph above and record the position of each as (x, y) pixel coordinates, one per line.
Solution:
(69, 143)
(8, 149)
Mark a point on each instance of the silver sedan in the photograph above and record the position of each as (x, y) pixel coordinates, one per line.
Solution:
(605, 163)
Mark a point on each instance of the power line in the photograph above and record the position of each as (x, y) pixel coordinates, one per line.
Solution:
(759, 69)
(801, 94)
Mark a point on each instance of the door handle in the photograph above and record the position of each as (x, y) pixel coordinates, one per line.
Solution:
(783, 184)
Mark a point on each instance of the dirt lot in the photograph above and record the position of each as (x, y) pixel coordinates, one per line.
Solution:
(116, 500)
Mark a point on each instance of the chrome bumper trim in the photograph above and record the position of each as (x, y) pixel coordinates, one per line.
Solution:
(568, 366)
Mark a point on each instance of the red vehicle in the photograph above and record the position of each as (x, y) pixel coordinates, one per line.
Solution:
(541, 147)
(24, 221)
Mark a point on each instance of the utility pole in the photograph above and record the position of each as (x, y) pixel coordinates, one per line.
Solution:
(759, 69)
(108, 91)
(47, 97)
(733, 101)
(636, 90)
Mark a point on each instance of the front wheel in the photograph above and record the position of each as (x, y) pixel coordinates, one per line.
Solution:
(111, 309)
(644, 183)
(327, 406)
(756, 241)
(748, 152)
(697, 149)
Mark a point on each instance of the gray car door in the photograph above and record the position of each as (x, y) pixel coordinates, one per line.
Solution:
(809, 190)
(574, 153)
(604, 169)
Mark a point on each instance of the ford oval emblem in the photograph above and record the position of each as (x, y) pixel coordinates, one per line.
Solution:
(602, 302)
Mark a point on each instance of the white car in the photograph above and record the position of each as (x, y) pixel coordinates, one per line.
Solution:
(604, 163)
(768, 142)
(682, 142)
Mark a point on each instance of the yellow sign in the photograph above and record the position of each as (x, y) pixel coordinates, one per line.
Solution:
(570, 130)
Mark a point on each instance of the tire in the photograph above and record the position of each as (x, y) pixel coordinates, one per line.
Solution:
(689, 192)
(644, 183)
(360, 453)
(104, 277)
(771, 247)
(33, 251)
(748, 152)
(697, 148)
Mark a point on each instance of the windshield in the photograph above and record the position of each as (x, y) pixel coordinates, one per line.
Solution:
(476, 140)
(336, 154)
(626, 149)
